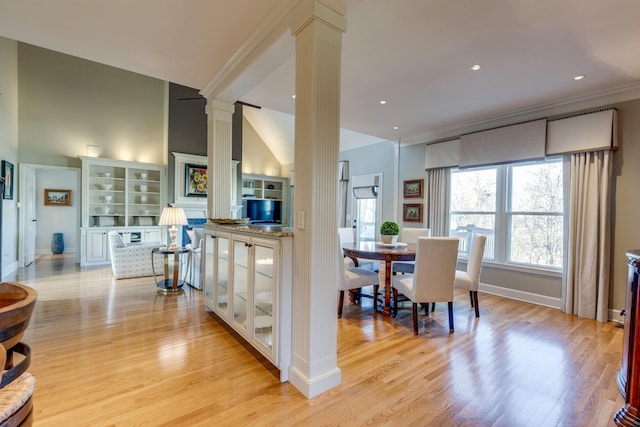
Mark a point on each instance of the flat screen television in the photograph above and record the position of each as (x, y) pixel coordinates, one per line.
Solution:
(262, 211)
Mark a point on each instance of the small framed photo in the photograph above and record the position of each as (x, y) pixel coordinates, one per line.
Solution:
(195, 178)
(57, 197)
(7, 174)
(412, 212)
(413, 189)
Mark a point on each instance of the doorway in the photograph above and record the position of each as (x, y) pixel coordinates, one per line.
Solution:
(36, 221)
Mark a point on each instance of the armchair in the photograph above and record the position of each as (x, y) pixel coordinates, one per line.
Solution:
(191, 268)
(133, 260)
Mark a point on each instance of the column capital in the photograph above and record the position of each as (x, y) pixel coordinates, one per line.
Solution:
(217, 105)
(310, 10)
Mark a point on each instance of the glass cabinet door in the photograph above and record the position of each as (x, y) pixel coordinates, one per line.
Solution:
(208, 258)
(263, 295)
(221, 278)
(241, 276)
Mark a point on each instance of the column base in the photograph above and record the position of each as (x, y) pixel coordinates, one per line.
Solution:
(313, 387)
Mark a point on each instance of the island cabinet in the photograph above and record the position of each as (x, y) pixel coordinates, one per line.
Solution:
(248, 276)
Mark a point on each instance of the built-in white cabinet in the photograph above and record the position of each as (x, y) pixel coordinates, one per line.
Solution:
(263, 187)
(248, 285)
(123, 196)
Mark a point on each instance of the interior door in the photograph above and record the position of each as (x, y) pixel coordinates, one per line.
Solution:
(30, 219)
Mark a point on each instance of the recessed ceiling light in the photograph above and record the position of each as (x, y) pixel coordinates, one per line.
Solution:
(382, 102)
(475, 67)
(580, 77)
(396, 128)
(293, 96)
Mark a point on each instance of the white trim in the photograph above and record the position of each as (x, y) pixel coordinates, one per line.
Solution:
(521, 296)
(312, 387)
(180, 199)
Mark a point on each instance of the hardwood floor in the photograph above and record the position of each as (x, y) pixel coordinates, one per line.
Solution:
(116, 353)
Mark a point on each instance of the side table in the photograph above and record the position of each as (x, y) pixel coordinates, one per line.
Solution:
(169, 284)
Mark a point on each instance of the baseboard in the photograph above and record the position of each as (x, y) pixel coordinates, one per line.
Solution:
(47, 251)
(614, 316)
(9, 269)
(521, 296)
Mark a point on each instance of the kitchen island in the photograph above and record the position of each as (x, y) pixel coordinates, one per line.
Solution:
(248, 284)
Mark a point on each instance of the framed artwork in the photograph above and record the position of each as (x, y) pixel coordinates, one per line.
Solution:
(195, 178)
(7, 174)
(413, 189)
(57, 197)
(412, 212)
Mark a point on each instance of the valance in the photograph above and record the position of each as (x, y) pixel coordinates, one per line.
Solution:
(525, 141)
(583, 133)
(443, 155)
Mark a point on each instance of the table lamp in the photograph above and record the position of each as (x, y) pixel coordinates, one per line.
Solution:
(173, 216)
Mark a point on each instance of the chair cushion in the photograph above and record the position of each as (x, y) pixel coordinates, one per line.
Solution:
(404, 284)
(16, 394)
(463, 280)
(117, 241)
(357, 277)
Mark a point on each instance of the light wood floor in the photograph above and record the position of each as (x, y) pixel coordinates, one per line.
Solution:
(115, 353)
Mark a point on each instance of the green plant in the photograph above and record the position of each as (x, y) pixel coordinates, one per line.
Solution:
(389, 228)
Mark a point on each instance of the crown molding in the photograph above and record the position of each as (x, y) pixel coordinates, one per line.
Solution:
(601, 98)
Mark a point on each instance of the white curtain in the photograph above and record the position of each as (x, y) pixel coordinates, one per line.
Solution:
(586, 290)
(438, 183)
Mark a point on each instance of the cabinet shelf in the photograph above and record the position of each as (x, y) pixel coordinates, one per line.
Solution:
(134, 194)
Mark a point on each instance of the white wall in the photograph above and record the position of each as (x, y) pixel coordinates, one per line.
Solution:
(57, 219)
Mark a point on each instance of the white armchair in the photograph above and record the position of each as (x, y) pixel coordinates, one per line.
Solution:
(133, 260)
(191, 268)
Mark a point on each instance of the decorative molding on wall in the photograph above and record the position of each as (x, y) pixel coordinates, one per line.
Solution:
(181, 200)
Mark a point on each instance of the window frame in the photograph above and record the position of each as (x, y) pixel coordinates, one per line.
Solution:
(504, 215)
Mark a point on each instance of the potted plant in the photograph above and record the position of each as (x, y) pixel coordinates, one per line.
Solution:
(389, 231)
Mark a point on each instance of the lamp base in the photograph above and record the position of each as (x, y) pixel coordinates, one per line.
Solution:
(173, 232)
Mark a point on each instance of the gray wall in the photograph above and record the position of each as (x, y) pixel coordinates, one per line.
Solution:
(187, 128)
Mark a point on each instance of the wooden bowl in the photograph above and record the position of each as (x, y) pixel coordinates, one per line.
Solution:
(16, 306)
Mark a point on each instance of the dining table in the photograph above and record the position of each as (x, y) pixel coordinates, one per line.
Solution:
(388, 253)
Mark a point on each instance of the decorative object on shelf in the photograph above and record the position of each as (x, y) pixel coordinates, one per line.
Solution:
(389, 231)
(230, 221)
(103, 210)
(413, 189)
(143, 188)
(57, 197)
(143, 175)
(412, 212)
(57, 243)
(195, 179)
(106, 187)
(173, 216)
(7, 174)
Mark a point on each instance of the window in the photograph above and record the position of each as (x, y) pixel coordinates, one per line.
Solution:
(519, 207)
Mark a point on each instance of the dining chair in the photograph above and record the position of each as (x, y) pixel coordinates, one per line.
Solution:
(433, 276)
(409, 235)
(470, 279)
(352, 278)
(346, 236)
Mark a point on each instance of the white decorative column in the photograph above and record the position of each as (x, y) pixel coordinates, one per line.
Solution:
(219, 115)
(318, 31)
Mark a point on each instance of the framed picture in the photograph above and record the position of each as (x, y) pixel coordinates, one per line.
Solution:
(195, 179)
(413, 189)
(7, 174)
(412, 212)
(57, 197)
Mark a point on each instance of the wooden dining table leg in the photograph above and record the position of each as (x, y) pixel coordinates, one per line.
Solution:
(386, 309)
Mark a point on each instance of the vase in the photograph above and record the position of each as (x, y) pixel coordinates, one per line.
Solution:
(388, 238)
(57, 243)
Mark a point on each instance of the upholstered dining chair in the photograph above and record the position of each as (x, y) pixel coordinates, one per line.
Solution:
(470, 279)
(346, 236)
(352, 278)
(433, 276)
(409, 235)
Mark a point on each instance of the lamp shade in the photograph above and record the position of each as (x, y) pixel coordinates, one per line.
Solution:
(173, 216)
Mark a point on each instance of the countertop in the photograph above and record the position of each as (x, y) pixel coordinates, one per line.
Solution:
(260, 229)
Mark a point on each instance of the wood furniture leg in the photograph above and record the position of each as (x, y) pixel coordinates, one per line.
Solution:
(386, 310)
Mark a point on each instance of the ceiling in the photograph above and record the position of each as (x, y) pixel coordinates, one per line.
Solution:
(415, 54)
